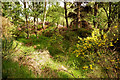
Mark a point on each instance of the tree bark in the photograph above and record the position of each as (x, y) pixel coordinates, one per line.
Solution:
(35, 28)
(44, 18)
(26, 22)
(78, 15)
(119, 12)
(34, 22)
(66, 17)
(37, 20)
(95, 14)
(119, 17)
(63, 23)
(109, 21)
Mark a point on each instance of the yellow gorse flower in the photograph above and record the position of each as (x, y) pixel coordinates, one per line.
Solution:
(115, 26)
(111, 44)
(114, 34)
(90, 66)
(112, 60)
(85, 67)
(77, 55)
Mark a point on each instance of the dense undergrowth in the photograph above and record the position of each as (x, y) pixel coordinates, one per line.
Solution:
(91, 55)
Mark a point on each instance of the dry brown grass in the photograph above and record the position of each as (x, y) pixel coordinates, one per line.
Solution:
(6, 27)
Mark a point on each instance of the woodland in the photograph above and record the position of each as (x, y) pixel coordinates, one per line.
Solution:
(47, 40)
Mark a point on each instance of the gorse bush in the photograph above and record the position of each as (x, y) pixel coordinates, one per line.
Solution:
(92, 44)
(95, 49)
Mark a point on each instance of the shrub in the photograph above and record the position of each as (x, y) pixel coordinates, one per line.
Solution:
(56, 43)
(7, 27)
(8, 47)
(95, 49)
(82, 32)
(48, 32)
(19, 34)
(71, 36)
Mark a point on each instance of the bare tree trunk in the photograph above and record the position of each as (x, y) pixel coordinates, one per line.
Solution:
(95, 14)
(78, 15)
(37, 20)
(26, 22)
(34, 22)
(57, 24)
(119, 18)
(66, 17)
(36, 28)
(109, 21)
(44, 16)
(119, 13)
(63, 23)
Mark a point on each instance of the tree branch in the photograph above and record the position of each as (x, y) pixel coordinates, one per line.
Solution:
(105, 11)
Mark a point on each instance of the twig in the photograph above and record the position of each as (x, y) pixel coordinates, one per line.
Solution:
(68, 72)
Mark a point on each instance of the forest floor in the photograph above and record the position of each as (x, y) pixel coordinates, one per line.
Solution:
(42, 64)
